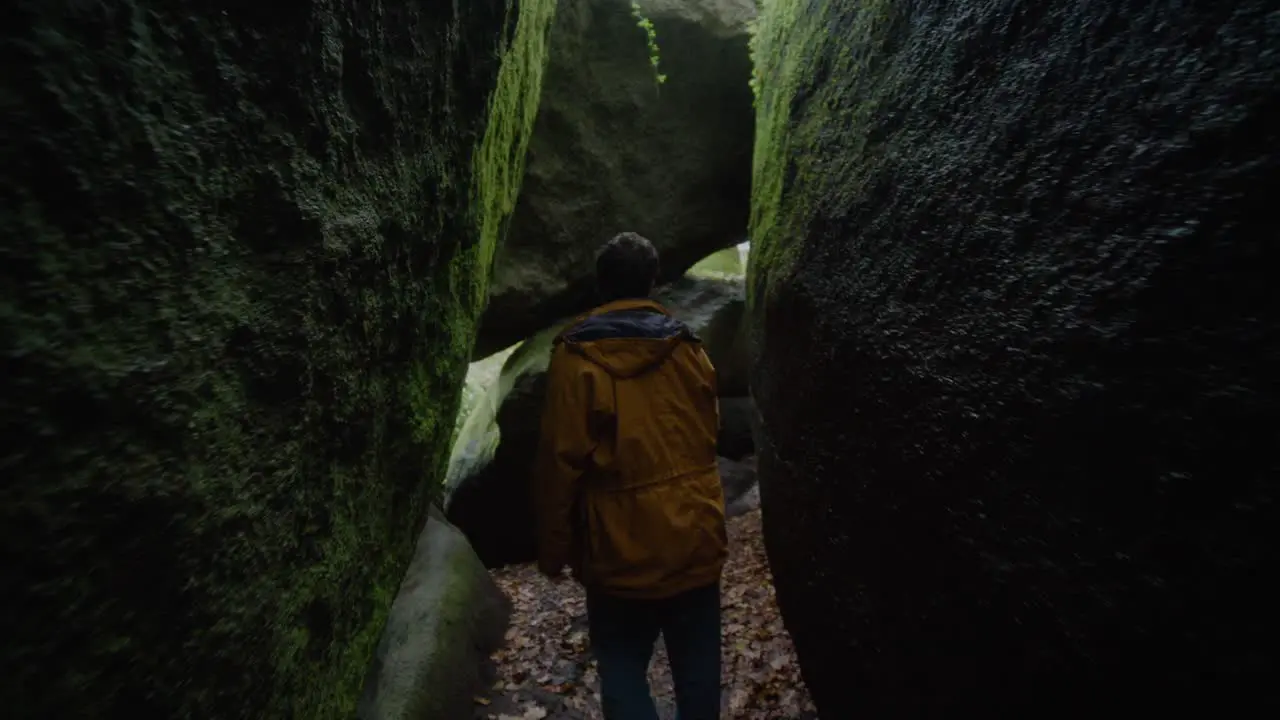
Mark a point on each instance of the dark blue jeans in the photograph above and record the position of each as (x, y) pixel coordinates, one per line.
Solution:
(623, 632)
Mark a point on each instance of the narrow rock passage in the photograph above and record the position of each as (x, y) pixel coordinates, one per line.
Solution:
(546, 669)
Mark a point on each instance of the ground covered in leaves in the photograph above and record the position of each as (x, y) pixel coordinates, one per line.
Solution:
(546, 670)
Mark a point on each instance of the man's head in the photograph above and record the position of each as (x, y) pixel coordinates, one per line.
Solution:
(626, 267)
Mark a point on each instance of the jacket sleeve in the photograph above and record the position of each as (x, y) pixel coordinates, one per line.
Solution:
(564, 449)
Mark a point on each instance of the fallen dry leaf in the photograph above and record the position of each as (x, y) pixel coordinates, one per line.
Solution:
(546, 666)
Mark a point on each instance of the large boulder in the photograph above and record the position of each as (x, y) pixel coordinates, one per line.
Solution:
(447, 618)
(736, 438)
(744, 503)
(488, 492)
(737, 477)
(615, 150)
(489, 480)
(245, 247)
(1016, 359)
(715, 309)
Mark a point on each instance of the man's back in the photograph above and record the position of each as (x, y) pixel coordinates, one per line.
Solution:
(628, 492)
(628, 486)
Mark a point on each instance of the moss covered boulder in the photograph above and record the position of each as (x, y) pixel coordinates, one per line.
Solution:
(1016, 360)
(447, 618)
(245, 247)
(615, 150)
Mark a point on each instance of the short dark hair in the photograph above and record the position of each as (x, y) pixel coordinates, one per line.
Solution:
(626, 266)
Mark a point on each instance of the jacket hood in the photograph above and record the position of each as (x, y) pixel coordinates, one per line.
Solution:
(628, 337)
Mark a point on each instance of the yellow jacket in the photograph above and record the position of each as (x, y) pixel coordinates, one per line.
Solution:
(626, 487)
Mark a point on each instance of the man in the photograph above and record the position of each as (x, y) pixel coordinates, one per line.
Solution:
(627, 489)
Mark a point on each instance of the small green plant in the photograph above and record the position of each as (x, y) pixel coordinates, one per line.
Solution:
(651, 36)
(753, 32)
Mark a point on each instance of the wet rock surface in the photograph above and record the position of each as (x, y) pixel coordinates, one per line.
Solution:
(1016, 358)
(614, 150)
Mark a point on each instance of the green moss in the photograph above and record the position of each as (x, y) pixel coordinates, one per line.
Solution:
(236, 365)
(793, 51)
(332, 691)
(498, 167)
(753, 33)
(651, 40)
(496, 175)
(497, 172)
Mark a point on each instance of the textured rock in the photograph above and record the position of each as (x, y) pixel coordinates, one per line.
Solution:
(613, 150)
(744, 503)
(1016, 361)
(489, 496)
(242, 253)
(736, 478)
(735, 439)
(445, 621)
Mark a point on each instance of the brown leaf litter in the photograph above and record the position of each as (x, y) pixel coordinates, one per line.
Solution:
(546, 671)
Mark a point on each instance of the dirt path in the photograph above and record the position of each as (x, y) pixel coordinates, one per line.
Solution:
(546, 670)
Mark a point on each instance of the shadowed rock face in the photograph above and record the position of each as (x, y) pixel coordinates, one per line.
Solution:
(735, 440)
(613, 150)
(1016, 352)
(240, 282)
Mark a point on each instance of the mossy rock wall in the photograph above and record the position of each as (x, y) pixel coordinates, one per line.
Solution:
(1015, 357)
(613, 150)
(245, 249)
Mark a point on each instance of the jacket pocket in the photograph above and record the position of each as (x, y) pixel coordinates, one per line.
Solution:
(648, 537)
